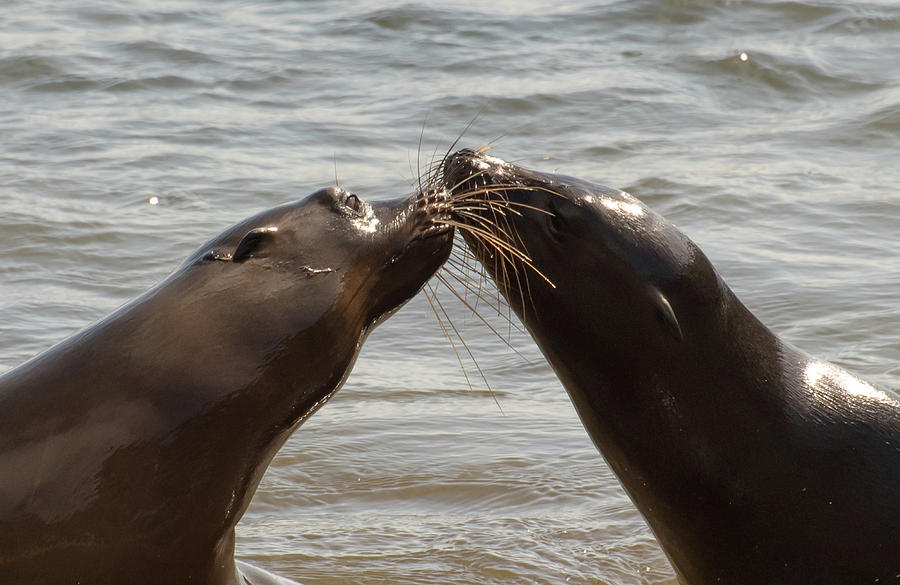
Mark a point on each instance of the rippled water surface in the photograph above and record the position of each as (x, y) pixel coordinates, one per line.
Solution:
(768, 131)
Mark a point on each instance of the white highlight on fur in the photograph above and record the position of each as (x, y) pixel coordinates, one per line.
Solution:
(484, 161)
(367, 224)
(818, 373)
(627, 207)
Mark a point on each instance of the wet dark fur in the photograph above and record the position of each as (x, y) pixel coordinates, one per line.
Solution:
(752, 461)
(129, 451)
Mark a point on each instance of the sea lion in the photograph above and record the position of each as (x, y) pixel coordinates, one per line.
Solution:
(751, 461)
(129, 451)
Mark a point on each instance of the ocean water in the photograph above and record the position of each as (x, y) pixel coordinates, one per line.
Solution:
(768, 131)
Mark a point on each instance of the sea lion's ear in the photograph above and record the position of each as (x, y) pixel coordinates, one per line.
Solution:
(251, 242)
(666, 313)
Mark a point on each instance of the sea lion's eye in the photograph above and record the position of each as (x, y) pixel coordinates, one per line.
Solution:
(556, 225)
(353, 202)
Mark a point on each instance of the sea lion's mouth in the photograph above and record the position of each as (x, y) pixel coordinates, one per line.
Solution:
(491, 204)
(428, 218)
(434, 231)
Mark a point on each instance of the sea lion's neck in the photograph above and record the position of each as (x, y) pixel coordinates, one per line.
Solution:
(167, 451)
(677, 428)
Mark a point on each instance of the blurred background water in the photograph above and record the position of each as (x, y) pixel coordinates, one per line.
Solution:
(767, 130)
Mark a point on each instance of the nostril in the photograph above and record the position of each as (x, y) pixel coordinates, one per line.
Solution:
(353, 203)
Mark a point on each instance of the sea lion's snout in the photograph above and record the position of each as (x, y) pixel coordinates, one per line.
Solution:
(431, 212)
(459, 167)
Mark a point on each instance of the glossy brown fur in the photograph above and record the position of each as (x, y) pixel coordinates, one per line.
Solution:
(129, 451)
(753, 462)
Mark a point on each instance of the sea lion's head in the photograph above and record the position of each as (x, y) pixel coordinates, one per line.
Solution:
(332, 250)
(580, 261)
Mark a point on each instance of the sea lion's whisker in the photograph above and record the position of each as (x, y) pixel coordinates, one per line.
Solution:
(468, 351)
(463, 133)
(432, 297)
(496, 225)
(433, 171)
(494, 208)
(467, 197)
(527, 281)
(466, 260)
(509, 266)
(478, 292)
(498, 299)
(501, 205)
(472, 265)
(485, 222)
(480, 317)
(514, 204)
(473, 212)
(469, 178)
(505, 258)
(490, 237)
(484, 214)
(484, 206)
(419, 154)
(500, 246)
(463, 265)
(487, 236)
(460, 137)
(501, 187)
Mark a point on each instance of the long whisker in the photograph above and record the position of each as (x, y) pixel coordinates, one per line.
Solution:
(468, 351)
(501, 204)
(484, 222)
(487, 219)
(431, 298)
(463, 133)
(477, 289)
(419, 154)
(487, 324)
(500, 245)
(501, 188)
